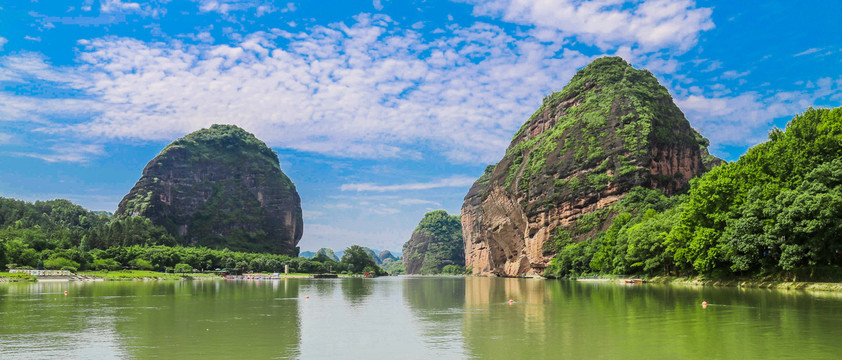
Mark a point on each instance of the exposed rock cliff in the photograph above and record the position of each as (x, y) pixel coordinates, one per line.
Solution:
(436, 242)
(612, 128)
(221, 188)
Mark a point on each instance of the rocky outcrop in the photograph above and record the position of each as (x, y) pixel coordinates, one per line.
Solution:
(328, 253)
(386, 255)
(435, 243)
(222, 188)
(611, 129)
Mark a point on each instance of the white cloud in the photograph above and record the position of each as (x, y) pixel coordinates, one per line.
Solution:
(732, 74)
(418, 202)
(648, 24)
(114, 6)
(339, 237)
(78, 153)
(453, 181)
(744, 119)
(377, 4)
(368, 90)
(5, 138)
(32, 38)
(3, 41)
(809, 51)
(224, 7)
(312, 214)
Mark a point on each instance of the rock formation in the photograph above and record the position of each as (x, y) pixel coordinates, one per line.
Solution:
(386, 255)
(610, 129)
(436, 242)
(222, 188)
(327, 252)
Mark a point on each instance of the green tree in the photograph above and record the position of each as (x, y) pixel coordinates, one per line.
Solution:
(106, 265)
(357, 259)
(3, 259)
(140, 264)
(183, 268)
(57, 263)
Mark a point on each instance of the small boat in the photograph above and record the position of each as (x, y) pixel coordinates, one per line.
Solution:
(635, 281)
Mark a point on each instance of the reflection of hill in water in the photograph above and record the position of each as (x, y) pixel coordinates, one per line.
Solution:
(156, 319)
(244, 320)
(413, 317)
(356, 290)
(437, 304)
(568, 319)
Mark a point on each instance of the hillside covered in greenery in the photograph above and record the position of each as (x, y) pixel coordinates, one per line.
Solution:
(435, 243)
(775, 211)
(611, 129)
(219, 187)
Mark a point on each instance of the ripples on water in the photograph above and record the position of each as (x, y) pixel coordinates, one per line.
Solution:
(413, 318)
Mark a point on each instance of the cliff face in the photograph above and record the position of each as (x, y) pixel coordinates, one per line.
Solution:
(612, 128)
(221, 188)
(435, 243)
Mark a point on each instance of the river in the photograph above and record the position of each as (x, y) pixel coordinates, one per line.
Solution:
(413, 318)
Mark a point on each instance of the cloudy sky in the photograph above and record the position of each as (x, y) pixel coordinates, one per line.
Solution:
(380, 110)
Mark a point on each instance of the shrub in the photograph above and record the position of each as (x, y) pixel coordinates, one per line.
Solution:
(140, 264)
(183, 268)
(453, 270)
(106, 265)
(60, 263)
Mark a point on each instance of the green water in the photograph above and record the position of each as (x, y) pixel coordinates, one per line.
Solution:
(413, 318)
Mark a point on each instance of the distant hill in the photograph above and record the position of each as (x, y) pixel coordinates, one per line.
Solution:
(328, 253)
(435, 243)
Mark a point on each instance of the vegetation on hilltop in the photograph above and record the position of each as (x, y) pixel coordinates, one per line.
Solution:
(777, 209)
(604, 121)
(435, 243)
(219, 187)
(327, 253)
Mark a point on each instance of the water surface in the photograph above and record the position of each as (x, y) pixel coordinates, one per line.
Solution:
(413, 318)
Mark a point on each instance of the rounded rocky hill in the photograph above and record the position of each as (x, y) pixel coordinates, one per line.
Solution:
(435, 243)
(222, 188)
(612, 128)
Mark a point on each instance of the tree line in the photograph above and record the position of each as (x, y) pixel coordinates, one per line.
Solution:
(58, 234)
(776, 210)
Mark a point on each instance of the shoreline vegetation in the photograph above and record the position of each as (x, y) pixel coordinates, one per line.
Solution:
(770, 282)
(760, 283)
(139, 275)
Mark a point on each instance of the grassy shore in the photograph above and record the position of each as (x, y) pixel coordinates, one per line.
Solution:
(16, 277)
(766, 283)
(154, 275)
(145, 275)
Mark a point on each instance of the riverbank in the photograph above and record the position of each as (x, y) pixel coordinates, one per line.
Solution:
(16, 277)
(126, 275)
(749, 283)
(145, 275)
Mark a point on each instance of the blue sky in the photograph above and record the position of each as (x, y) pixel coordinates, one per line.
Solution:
(379, 110)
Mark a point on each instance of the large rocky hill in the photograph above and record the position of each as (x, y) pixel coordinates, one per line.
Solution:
(610, 129)
(222, 188)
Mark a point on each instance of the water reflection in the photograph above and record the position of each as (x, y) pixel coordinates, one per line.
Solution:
(564, 319)
(438, 306)
(356, 290)
(166, 319)
(413, 318)
(362, 319)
